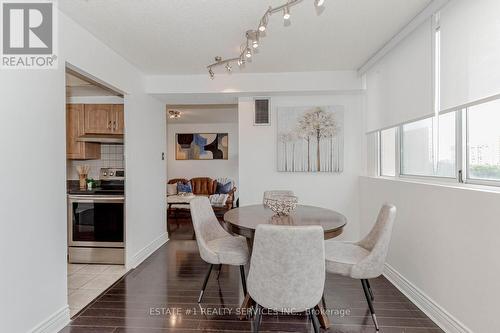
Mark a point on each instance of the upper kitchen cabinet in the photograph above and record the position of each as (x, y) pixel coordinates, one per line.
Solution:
(118, 119)
(75, 127)
(98, 119)
(104, 119)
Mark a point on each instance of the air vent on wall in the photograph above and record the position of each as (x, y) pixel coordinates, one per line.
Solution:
(261, 116)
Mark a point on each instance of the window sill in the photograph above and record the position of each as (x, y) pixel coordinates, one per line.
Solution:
(434, 182)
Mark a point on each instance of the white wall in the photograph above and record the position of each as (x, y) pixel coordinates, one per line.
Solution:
(203, 168)
(254, 83)
(444, 243)
(32, 199)
(146, 177)
(258, 161)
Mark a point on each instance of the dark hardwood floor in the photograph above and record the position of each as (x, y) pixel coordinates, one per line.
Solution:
(160, 296)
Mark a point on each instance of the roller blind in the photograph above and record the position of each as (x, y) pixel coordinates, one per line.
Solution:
(399, 86)
(470, 51)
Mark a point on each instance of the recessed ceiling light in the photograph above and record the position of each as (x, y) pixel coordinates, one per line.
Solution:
(174, 114)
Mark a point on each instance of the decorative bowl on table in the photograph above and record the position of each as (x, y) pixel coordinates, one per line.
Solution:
(281, 204)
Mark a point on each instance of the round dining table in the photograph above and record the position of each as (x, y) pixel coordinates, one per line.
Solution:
(244, 220)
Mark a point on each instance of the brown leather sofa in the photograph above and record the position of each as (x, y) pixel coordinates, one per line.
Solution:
(206, 186)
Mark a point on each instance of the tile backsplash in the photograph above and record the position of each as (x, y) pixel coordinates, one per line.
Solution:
(111, 157)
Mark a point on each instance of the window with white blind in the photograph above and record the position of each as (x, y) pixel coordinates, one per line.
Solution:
(457, 137)
(388, 152)
(483, 142)
(428, 147)
(372, 154)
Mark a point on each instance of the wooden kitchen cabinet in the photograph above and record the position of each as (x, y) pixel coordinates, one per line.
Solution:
(119, 119)
(75, 123)
(104, 119)
(98, 118)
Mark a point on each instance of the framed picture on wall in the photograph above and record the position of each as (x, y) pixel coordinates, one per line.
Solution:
(311, 139)
(201, 146)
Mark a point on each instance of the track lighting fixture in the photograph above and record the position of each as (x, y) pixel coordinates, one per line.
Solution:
(286, 13)
(252, 36)
(319, 3)
(263, 21)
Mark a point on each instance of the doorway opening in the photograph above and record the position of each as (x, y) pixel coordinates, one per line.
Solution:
(202, 160)
(95, 174)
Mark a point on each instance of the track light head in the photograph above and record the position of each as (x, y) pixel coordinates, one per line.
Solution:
(319, 3)
(229, 68)
(263, 22)
(241, 61)
(286, 13)
(211, 73)
(248, 53)
(255, 44)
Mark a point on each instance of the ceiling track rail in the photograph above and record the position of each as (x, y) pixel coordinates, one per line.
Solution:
(252, 37)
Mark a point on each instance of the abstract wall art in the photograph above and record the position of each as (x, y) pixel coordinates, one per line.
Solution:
(311, 139)
(201, 146)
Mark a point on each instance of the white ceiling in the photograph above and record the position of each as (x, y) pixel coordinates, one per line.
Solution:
(182, 37)
(79, 87)
(205, 113)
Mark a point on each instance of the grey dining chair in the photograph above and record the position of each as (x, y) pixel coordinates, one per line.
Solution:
(269, 194)
(287, 270)
(216, 245)
(365, 259)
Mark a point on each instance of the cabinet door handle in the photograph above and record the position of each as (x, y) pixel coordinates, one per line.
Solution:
(114, 125)
(109, 124)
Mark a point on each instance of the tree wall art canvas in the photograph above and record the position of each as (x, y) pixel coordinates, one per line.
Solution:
(201, 146)
(311, 139)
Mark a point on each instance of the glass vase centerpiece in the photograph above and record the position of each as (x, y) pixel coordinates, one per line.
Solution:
(281, 205)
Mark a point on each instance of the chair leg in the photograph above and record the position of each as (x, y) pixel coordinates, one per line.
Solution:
(205, 283)
(370, 304)
(219, 268)
(323, 301)
(314, 320)
(243, 279)
(370, 289)
(257, 319)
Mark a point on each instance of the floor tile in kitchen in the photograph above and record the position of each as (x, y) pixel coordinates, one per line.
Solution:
(86, 282)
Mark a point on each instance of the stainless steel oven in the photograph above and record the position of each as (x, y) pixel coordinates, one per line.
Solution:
(96, 221)
(96, 226)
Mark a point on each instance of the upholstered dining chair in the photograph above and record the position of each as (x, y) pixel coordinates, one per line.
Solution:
(269, 194)
(216, 246)
(365, 259)
(287, 270)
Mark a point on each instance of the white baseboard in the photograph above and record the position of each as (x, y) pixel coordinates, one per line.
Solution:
(146, 251)
(440, 316)
(54, 323)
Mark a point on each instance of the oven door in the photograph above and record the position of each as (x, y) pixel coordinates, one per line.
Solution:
(96, 221)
